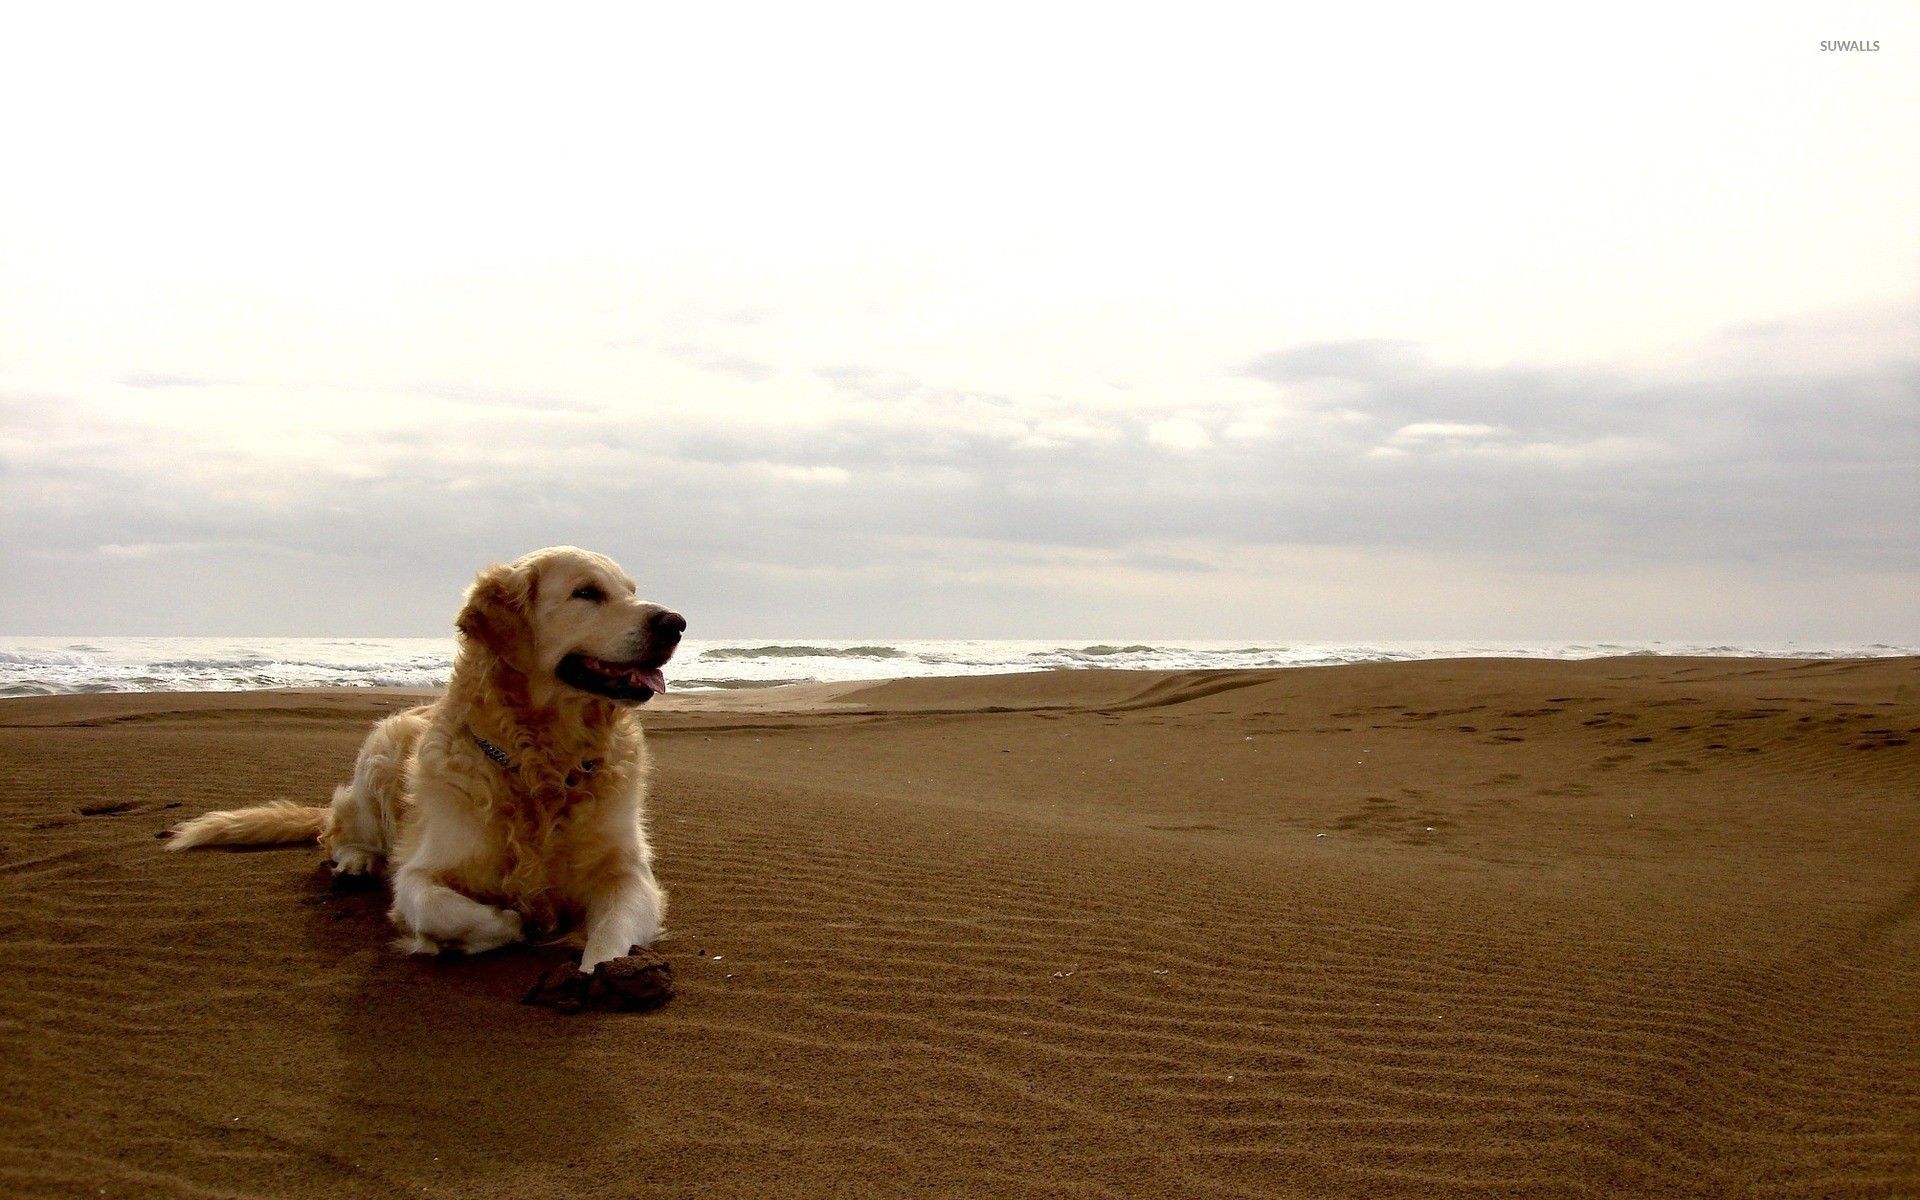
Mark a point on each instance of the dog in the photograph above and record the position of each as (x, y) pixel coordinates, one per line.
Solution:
(514, 806)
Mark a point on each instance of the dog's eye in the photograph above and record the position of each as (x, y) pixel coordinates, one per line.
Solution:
(587, 591)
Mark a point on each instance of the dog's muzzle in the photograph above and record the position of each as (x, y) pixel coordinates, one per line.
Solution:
(636, 679)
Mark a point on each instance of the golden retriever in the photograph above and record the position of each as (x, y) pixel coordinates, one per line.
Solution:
(514, 805)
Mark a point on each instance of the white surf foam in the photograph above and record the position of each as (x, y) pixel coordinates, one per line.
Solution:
(46, 666)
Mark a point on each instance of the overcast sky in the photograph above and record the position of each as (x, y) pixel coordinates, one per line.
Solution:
(918, 320)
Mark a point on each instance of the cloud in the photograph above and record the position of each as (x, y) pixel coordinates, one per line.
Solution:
(793, 473)
(723, 362)
(157, 380)
(1801, 471)
(1179, 433)
(1049, 432)
(136, 550)
(1168, 562)
(1429, 431)
(524, 401)
(1364, 360)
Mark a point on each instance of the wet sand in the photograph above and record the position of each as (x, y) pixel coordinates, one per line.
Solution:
(1462, 928)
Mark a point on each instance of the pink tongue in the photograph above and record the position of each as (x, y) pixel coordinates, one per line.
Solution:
(652, 679)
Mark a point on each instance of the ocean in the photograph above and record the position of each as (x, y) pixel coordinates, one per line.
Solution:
(39, 666)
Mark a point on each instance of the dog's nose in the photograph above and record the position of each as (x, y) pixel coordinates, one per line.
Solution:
(668, 625)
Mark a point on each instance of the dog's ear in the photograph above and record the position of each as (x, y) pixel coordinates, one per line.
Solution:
(497, 616)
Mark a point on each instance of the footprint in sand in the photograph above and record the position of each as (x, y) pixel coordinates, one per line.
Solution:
(1885, 741)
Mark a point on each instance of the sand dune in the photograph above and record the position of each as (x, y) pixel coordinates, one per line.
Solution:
(1631, 926)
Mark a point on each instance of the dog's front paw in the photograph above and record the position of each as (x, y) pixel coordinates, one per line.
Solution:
(349, 860)
(497, 928)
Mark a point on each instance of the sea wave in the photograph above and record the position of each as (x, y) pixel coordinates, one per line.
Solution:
(48, 666)
(803, 651)
(43, 658)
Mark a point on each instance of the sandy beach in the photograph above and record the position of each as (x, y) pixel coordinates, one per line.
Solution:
(1452, 928)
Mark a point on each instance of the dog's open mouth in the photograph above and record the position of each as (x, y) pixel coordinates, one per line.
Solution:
(614, 680)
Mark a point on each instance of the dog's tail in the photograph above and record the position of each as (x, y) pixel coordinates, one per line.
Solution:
(261, 825)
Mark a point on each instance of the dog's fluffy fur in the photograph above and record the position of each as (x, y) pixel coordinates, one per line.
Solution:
(481, 853)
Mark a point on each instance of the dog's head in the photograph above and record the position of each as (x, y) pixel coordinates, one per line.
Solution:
(574, 616)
